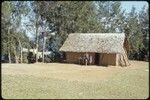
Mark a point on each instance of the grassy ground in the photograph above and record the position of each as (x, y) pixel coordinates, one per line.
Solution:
(70, 81)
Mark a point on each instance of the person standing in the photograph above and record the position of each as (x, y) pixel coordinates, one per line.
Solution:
(86, 58)
(90, 60)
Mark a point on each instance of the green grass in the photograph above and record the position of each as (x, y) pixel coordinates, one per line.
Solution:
(128, 84)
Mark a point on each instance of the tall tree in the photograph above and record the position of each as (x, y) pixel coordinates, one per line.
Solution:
(135, 34)
(6, 25)
(69, 17)
(34, 23)
(11, 21)
(110, 16)
(144, 26)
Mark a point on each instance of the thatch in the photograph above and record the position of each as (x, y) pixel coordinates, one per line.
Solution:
(94, 42)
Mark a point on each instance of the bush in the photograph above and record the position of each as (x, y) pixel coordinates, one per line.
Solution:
(47, 60)
(31, 58)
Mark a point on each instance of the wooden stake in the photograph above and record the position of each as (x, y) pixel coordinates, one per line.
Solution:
(86, 59)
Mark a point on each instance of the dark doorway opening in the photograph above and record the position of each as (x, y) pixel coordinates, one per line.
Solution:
(97, 58)
(64, 55)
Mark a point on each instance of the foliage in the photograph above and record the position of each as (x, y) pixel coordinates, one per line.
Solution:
(68, 17)
(110, 16)
(12, 34)
(137, 30)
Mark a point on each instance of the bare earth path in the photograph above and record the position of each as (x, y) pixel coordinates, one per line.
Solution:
(57, 80)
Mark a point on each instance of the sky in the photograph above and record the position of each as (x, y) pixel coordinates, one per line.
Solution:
(127, 5)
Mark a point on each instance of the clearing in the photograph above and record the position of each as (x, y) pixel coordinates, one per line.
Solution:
(71, 81)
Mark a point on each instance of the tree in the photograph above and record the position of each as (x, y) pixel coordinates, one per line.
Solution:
(110, 16)
(10, 31)
(6, 12)
(34, 23)
(68, 17)
(144, 26)
(134, 34)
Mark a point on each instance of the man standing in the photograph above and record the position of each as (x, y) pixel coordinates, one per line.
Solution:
(90, 60)
(86, 58)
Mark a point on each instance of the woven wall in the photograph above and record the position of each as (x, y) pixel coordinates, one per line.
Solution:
(104, 58)
(108, 59)
(73, 57)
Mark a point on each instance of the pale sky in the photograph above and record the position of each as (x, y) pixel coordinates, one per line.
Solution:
(127, 5)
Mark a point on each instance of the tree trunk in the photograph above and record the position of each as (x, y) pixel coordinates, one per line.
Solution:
(37, 34)
(9, 46)
(44, 39)
(20, 51)
(9, 56)
(21, 55)
(16, 58)
(15, 53)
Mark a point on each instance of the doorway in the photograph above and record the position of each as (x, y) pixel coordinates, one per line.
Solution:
(97, 58)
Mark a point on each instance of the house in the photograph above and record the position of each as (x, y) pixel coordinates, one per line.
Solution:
(34, 51)
(103, 48)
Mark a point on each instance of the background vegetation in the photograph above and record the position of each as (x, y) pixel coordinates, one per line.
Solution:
(68, 17)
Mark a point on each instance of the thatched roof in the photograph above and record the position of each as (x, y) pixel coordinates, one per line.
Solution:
(94, 42)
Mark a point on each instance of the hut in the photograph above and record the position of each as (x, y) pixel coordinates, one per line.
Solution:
(103, 48)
